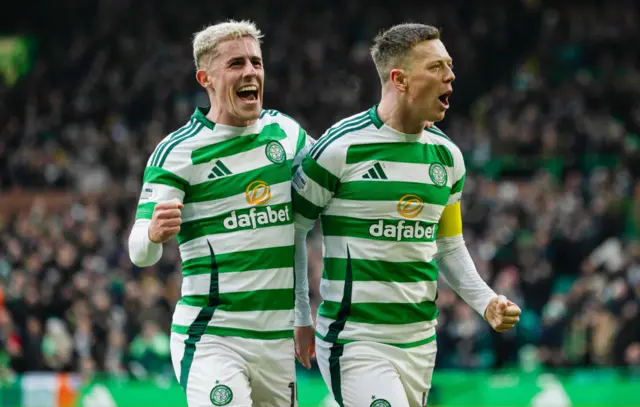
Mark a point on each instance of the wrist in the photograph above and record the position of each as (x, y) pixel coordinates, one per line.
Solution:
(150, 235)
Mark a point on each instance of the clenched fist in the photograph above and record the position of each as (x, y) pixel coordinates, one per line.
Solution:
(165, 221)
(502, 314)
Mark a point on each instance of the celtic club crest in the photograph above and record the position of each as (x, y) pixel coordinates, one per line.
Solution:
(380, 403)
(221, 395)
(275, 152)
(438, 174)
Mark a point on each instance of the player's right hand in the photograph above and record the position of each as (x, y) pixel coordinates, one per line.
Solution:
(305, 344)
(165, 221)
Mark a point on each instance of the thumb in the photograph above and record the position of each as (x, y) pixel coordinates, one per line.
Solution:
(178, 203)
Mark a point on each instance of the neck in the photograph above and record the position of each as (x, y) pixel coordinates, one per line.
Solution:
(220, 116)
(394, 113)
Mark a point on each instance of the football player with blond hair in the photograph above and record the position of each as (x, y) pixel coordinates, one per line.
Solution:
(222, 185)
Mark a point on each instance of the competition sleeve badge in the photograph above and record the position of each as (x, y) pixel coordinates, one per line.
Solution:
(299, 180)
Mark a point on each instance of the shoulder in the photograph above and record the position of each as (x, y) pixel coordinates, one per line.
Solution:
(336, 139)
(439, 137)
(287, 123)
(173, 153)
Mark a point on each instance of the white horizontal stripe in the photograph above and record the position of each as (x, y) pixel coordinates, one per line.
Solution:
(405, 333)
(238, 163)
(380, 292)
(159, 193)
(185, 314)
(336, 246)
(379, 210)
(196, 285)
(454, 198)
(254, 320)
(314, 192)
(264, 238)
(280, 193)
(269, 279)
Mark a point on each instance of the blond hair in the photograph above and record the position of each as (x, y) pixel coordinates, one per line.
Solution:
(207, 40)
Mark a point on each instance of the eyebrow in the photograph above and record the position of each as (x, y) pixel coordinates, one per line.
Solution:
(253, 57)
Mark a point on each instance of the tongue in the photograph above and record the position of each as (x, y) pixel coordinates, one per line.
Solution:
(249, 96)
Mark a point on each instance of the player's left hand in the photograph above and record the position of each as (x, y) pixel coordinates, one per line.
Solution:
(502, 314)
(305, 342)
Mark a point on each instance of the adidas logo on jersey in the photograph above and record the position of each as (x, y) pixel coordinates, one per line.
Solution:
(375, 172)
(402, 231)
(219, 170)
(256, 217)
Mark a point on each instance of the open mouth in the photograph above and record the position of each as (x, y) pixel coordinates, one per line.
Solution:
(248, 93)
(444, 98)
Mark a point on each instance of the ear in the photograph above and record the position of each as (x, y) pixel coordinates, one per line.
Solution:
(203, 78)
(399, 79)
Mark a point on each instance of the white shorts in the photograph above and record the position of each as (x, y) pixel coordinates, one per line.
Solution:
(369, 374)
(232, 371)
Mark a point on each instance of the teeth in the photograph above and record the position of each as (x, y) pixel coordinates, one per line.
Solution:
(248, 88)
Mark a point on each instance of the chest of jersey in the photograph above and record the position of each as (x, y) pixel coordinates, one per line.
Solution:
(396, 180)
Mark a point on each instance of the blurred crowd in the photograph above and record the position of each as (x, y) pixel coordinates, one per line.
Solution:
(546, 109)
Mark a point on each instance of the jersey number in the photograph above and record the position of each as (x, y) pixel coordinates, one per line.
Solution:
(292, 386)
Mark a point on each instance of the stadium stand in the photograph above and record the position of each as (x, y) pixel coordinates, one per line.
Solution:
(546, 109)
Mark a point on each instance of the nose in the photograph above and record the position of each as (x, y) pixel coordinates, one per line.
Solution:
(449, 75)
(249, 70)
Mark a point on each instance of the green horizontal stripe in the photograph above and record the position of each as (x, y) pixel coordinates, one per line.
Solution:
(157, 175)
(261, 300)
(404, 230)
(392, 191)
(319, 174)
(255, 217)
(383, 313)
(145, 210)
(237, 184)
(238, 332)
(304, 207)
(238, 145)
(397, 345)
(457, 187)
(412, 153)
(377, 270)
(259, 259)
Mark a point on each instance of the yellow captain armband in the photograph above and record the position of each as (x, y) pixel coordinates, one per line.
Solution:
(450, 223)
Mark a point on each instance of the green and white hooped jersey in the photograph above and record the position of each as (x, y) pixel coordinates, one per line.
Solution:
(379, 195)
(236, 239)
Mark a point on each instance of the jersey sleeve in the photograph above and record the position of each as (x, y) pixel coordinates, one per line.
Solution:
(165, 177)
(303, 146)
(459, 173)
(314, 184)
(450, 223)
